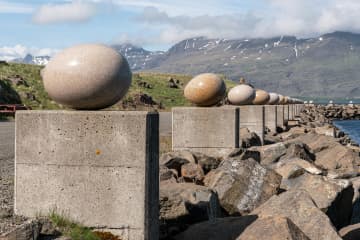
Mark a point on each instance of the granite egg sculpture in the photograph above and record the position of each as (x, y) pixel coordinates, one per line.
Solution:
(274, 99)
(205, 89)
(262, 97)
(88, 77)
(242, 94)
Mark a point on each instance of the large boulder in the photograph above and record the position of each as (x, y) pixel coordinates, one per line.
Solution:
(270, 153)
(220, 229)
(182, 204)
(273, 228)
(334, 197)
(244, 228)
(298, 150)
(298, 206)
(284, 166)
(174, 160)
(249, 139)
(242, 185)
(338, 157)
(355, 218)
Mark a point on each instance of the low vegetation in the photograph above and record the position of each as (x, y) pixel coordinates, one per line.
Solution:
(76, 231)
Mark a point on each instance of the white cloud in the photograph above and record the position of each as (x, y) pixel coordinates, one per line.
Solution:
(10, 7)
(76, 11)
(301, 18)
(9, 53)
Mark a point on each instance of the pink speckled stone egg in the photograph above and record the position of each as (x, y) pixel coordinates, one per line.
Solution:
(88, 76)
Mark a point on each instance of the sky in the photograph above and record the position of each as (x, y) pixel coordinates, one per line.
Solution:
(43, 27)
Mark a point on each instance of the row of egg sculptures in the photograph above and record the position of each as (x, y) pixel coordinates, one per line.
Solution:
(208, 89)
(87, 77)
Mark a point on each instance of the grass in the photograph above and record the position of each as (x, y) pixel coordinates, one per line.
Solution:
(160, 92)
(77, 231)
(71, 229)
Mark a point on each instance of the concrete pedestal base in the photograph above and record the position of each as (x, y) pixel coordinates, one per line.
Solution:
(253, 118)
(286, 114)
(210, 131)
(99, 168)
(280, 123)
(271, 118)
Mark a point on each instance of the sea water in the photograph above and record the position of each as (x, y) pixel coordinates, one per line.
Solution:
(351, 128)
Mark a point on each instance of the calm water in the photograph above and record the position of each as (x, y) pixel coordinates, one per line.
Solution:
(350, 127)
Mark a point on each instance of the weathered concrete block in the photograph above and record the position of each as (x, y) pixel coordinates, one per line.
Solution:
(253, 118)
(205, 130)
(271, 117)
(99, 168)
(280, 122)
(291, 112)
(286, 114)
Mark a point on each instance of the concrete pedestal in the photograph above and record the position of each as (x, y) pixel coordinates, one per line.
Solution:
(280, 116)
(212, 130)
(291, 112)
(253, 118)
(100, 168)
(271, 118)
(286, 114)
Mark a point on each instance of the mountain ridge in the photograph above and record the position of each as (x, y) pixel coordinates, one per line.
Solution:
(327, 65)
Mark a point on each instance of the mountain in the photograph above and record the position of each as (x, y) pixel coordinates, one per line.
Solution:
(36, 60)
(324, 66)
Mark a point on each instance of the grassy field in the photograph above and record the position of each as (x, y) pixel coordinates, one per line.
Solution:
(34, 94)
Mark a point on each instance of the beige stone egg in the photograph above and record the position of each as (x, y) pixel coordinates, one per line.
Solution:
(262, 97)
(241, 94)
(286, 100)
(88, 76)
(281, 99)
(274, 99)
(205, 89)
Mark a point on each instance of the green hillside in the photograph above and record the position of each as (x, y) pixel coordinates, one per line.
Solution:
(21, 83)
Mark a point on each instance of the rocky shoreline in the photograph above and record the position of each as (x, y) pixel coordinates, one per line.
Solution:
(303, 184)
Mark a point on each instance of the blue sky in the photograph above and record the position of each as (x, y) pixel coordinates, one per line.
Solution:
(44, 27)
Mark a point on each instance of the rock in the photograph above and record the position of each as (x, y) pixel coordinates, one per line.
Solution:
(27, 231)
(270, 153)
(174, 160)
(88, 76)
(355, 218)
(273, 228)
(334, 197)
(241, 94)
(298, 150)
(206, 89)
(207, 163)
(18, 80)
(166, 174)
(351, 232)
(48, 228)
(290, 171)
(192, 172)
(249, 139)
(307, 166)
(261, 97)
(338, 157)
(172, 85)
(220, 229)
(274, 99)
(182, 204)
(326, 130)
(299, 207)
(242, 185)
(316, 142)
(245, 153)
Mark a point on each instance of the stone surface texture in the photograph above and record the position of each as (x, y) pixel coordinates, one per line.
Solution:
(262, 97)
(271, 118)
(201, 129)
(101, 168)
(242, 94)
(253, 118)
(89, 76)
(205, 89)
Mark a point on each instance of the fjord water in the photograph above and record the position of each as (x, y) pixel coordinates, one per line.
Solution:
(350, 127)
